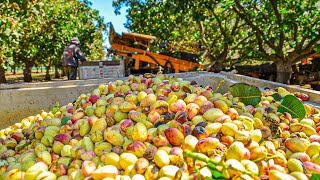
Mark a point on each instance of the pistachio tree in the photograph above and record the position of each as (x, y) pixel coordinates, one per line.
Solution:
(8, 35)
(285, 31)
(36, 32)
(210, 27)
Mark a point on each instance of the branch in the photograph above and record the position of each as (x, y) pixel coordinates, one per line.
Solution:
(295, 32)
(312, 42)
(202, 33)
(304, 38)
(224, 10)
(263, 15)
(269, 31)
(278, 15)
(243, 40)
(254, 27)
(249, 42)
(237, 30)
(261, 48)
(302, 56)
(223, 55)
(219, 24)
(208, 54)
(242, 25)
(202, 36)
(235, 27)
(215, 40)
(225, 25)
(258, 33)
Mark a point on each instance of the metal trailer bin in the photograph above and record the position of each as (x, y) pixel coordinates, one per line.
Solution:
(101, 69)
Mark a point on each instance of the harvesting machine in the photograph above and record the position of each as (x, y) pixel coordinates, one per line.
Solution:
(135, 48)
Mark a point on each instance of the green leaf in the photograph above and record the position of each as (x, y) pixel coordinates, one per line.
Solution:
(217, 174)
(315, 177)
(284, 11)
(175, 34)
(276, 96)
(291, 44)
(56, 107)
(7, 32)
(248, 94)
(293, 106)
(211, 166)
(65, 120)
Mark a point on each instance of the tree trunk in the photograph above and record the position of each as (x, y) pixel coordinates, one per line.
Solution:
(284, 72)
(217, 65)
(48, 78)
(14, 69)
(27, 72)
(2, 75)
(56, 72)
(207, 54)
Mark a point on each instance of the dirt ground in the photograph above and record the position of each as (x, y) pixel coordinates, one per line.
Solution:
(36, 77)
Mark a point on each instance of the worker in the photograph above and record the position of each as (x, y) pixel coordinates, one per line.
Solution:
(71, 56)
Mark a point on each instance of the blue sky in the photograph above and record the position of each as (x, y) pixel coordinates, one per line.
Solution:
(107, 11)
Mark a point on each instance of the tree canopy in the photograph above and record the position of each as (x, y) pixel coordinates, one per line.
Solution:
(36, 32)
(223, 31)
(283, 32)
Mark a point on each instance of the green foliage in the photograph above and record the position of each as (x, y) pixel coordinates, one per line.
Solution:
(284, 30)
(36, 32)
(233, 31)
(215, 173)
(161, 20)
(55, 107)
(276, 96)
(65, 120)
(293, 106)
(207, 28)
(248, 94)
(315, 177)
(211, 165)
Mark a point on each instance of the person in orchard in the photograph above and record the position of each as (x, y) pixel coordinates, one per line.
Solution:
(71, 56)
